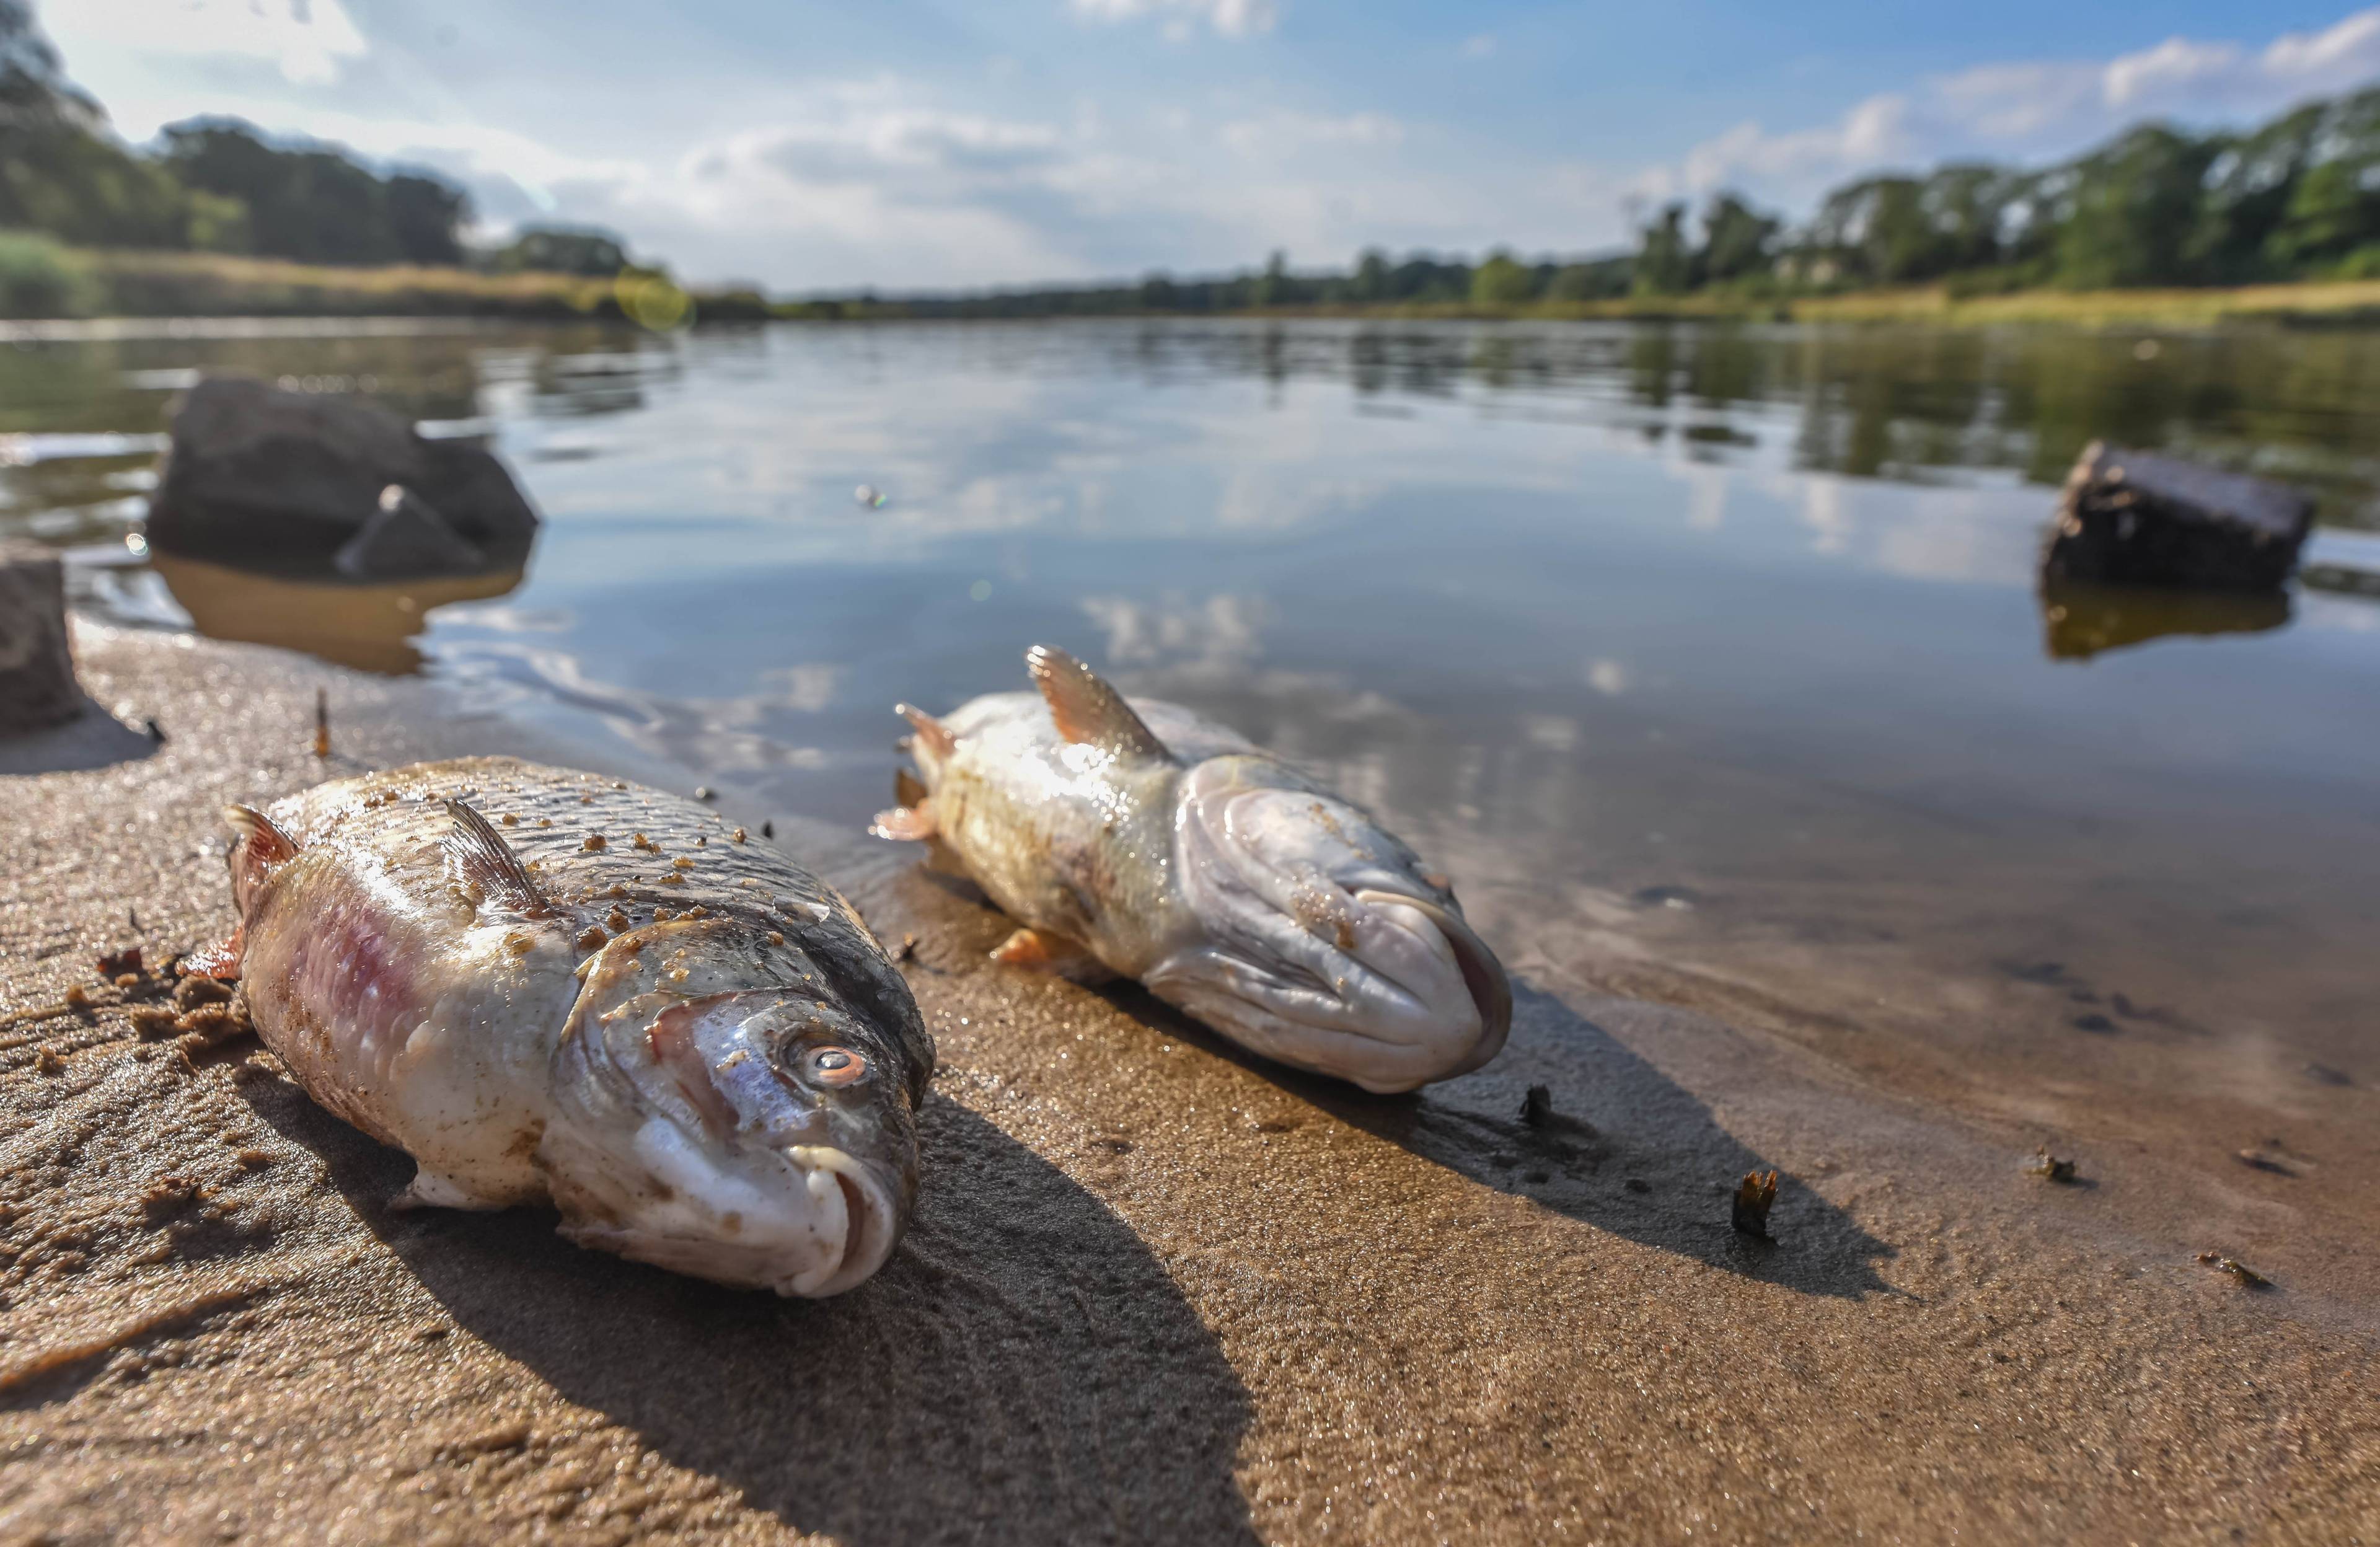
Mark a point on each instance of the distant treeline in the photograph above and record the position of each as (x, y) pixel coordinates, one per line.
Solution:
(2298, 198)
(214, 185)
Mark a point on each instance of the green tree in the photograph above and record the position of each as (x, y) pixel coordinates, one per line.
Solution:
(1664, 259)
(1737, 241)
(424, 215)
(61, 170)
(1371, 282)
(1502, 280)
(2334, 206)
(313, 202)
(1272, 288)
(579, 250)
(2132, 210)
(1596, 280)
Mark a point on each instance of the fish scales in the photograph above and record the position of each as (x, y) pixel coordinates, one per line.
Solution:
(550, 986)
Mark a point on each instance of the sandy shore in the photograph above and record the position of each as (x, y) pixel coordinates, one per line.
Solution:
(1155, 1292)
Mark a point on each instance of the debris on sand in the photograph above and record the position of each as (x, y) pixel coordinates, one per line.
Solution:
(114, 964)
(1753, 1200)
(2049, 1167)
(1537, 1106)
(2260, 1160)
(321, 721)
(2236, 1267)
(213, 1025)
(195, 990)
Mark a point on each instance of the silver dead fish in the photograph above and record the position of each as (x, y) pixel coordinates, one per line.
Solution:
(545, 985)
(1137, 839)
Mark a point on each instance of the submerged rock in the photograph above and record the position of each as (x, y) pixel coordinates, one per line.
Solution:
(2137, 517)
(264, 478)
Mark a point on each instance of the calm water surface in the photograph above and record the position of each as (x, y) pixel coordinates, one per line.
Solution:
(1707, 649)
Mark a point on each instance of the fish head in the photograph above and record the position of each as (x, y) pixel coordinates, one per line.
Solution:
(1322, 940)
(732, 1106)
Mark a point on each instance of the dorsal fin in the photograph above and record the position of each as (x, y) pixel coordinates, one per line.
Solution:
(481, 856)
(934, 736)
(1087, 709)
(264, 841)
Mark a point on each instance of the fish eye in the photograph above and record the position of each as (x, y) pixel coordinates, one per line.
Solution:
(836, 1065)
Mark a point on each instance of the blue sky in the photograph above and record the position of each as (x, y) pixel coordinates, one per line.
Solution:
(925, 143)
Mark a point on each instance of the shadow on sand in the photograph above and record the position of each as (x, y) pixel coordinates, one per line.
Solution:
(93, 739)
(1626, 1149)
(1023, 1371)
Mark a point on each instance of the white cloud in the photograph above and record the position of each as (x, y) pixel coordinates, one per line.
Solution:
(1276, 134)
(1233, 19)
(2031, 108)
(310, 42)
(1481, 46)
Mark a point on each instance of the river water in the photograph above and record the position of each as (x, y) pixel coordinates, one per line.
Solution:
(1707, 660)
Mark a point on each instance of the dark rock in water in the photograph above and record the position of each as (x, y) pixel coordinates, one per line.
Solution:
(406, 537)
(2137, 517)
(37, 680)
(285, 480)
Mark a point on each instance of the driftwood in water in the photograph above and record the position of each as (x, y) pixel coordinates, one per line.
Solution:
(2142, 518)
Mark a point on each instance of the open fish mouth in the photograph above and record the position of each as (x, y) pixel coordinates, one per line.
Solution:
(1491, 990)
(841, 1229)
(868, 1214)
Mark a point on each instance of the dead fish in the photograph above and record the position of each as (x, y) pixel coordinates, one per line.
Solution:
(697, 1053)
(1136, 839)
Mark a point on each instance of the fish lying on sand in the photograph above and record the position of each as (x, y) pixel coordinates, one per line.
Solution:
(1136, 839)
(545, 985)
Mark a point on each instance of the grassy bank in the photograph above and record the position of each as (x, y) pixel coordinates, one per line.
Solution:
(42, 278)
(2335, 302)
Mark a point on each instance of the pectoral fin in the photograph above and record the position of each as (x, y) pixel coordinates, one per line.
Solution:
(905, 823)
(1088, 709)
(1040, 951)
(431, 1191)
(933, 735)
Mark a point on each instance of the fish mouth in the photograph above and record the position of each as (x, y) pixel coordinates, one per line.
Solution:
(868, 1215)
(1492, 988)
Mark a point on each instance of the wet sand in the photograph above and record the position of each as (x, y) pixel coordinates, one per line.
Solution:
(1155, 1292)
